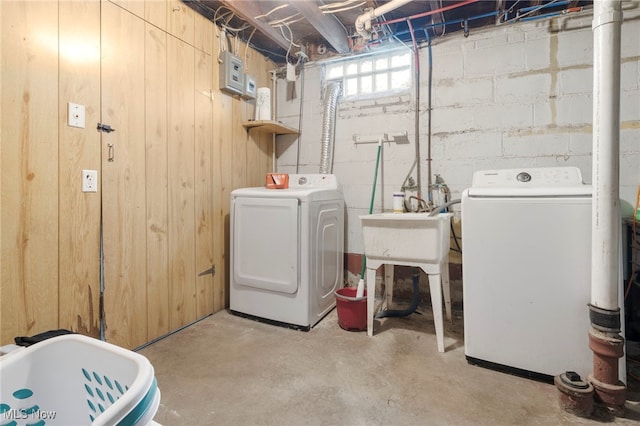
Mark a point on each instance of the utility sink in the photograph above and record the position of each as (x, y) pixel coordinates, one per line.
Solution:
(406, 237)
(409, 239)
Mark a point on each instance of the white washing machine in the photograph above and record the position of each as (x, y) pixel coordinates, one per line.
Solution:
(287, 248)
(526, 262)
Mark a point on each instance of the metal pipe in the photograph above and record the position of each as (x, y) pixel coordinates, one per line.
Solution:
(363, 22)
(440, 24)
(429, 108)
(416, 119)
(431, 12)
(543, 6)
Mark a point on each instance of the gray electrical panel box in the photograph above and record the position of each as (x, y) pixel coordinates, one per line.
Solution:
(250, 87)
(231, 73)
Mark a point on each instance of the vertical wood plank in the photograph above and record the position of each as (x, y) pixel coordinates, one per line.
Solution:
(224, 150)
(29, 168)
(79, 65)
(255, 146)
(156, 181)
(181, 21)
(134, 6)
(203, 183)
(240, 139)
(221, 184)
(123, 179)
(203, 34)
(180, 74)
(155, 12)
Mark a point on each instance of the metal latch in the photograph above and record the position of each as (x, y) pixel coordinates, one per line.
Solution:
(105, 128)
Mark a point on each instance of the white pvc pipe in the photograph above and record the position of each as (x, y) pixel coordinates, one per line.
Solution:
(363, 22)
(607, 22)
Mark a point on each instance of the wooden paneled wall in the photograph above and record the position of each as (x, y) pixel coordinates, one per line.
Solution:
(180, 149)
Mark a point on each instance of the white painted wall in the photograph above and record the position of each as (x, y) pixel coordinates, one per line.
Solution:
(505, 97)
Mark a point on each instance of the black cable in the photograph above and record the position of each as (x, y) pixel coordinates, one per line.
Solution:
(455, 238)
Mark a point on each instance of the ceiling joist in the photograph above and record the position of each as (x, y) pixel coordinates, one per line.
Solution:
(248, 10)
(326, 24)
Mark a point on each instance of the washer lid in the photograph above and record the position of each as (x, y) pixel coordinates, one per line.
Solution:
(305, 187)
(529, 182)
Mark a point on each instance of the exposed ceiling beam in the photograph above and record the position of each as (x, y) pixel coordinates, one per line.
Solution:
(327, 25)
(248, 10)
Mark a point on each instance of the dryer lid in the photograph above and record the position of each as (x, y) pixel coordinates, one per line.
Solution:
(305, 187)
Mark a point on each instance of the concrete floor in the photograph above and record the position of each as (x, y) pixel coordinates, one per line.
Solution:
(227, 370)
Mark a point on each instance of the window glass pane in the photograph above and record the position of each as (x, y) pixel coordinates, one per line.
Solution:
(366, 84)
(374, 74)
(400, 60)
(382, 63)
(382, 82)
(334, 71)
(400, 79)
(351, 86)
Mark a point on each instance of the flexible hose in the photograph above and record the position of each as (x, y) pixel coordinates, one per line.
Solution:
(414, 300)
(329, 126)
(438, 209)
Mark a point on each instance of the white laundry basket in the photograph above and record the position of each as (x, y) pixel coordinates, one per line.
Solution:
(76, 380)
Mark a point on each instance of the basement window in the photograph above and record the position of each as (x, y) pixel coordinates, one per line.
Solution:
(371, 75)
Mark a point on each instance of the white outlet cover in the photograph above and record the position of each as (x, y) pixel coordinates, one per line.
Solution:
(76, 115)
(89, 181)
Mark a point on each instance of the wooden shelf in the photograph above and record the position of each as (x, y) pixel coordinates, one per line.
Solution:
(269, 126)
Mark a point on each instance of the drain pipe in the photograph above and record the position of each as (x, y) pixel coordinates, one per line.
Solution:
(604, 337)
(415, 300)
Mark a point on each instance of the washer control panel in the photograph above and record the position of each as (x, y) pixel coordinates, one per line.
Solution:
(535, 177)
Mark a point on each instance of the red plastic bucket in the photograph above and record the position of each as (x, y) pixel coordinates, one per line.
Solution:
(352, 310)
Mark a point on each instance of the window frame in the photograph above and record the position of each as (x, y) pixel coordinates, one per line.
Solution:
(374, 71)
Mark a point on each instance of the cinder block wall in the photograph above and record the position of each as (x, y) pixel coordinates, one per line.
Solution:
(505, 97)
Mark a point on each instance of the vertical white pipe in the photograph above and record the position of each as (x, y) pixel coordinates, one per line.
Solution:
(274, 116)
(607, 22)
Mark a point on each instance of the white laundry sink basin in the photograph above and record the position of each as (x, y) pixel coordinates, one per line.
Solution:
(407, 237)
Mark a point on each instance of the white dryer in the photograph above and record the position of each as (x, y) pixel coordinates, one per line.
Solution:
(287, 248)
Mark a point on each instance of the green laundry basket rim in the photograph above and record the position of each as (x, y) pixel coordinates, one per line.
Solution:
(141, 408)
